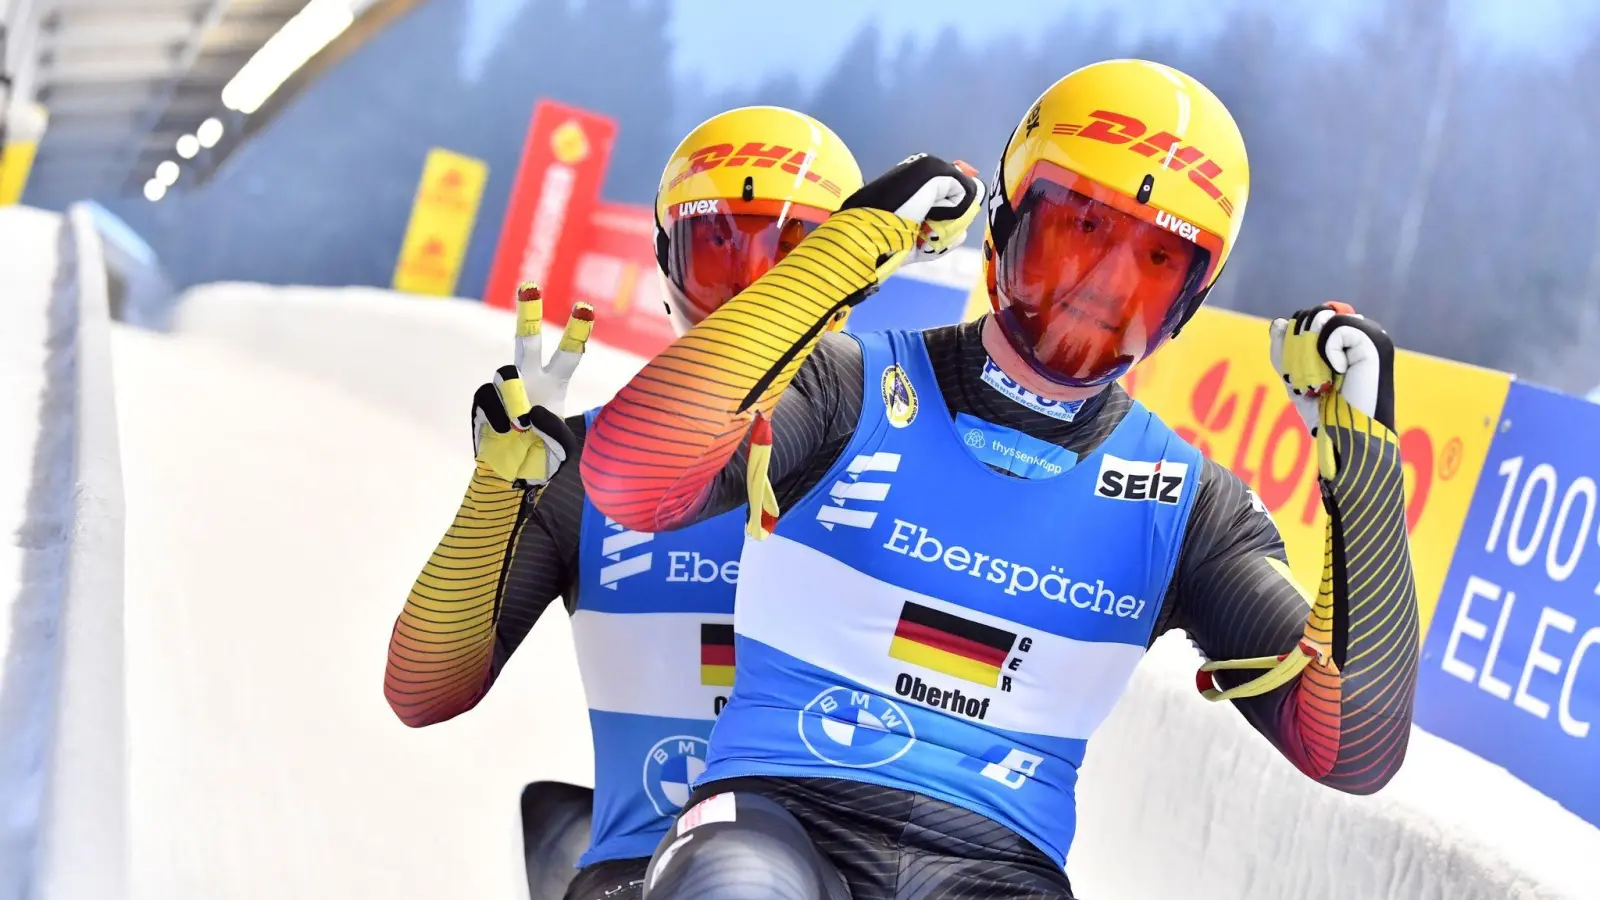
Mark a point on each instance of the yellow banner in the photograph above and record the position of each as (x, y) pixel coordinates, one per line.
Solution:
(25, 126)
(1215, 385)
(442, 216)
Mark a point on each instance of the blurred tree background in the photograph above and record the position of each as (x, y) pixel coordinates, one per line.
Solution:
(1451, 195)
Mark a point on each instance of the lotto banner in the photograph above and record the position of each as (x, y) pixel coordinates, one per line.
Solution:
(1511, 667)
(557, 188)
(442, 216)
(1215, 385)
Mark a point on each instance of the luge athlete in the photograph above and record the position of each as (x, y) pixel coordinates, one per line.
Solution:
(651, 614)
(981, 533)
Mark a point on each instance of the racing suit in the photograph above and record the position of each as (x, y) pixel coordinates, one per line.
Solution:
(668, 452)
(652, 622)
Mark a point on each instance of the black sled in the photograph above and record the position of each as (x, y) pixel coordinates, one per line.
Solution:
(555, 832)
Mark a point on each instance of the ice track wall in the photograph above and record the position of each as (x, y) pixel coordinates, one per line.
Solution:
(63, 712)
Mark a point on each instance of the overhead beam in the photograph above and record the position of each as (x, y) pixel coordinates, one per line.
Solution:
(85, 131)
(117, 29)
(89, 145)
(109, 66)
(69, 100)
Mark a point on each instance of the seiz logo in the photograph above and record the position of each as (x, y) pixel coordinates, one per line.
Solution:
(852, 488)
(757, 155)
(1116, 128)
(698, 208)
(1121, 479)
(1173, 224)
(613, 546)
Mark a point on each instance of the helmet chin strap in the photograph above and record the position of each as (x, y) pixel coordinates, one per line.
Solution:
(1017, 369)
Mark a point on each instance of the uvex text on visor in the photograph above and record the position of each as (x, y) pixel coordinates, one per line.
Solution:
(1090, 280)
(720, 247)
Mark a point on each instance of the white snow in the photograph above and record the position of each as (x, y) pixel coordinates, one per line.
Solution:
(414, 357)
(1222, 816)
(35, 470)
(275, 522)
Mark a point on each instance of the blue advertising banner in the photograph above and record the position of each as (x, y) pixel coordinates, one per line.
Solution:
(1511, 664)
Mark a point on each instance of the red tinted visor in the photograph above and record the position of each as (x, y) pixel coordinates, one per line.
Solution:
(1092, 281)
(717, 248)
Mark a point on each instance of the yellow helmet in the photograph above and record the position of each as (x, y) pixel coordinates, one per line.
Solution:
(1114, 207)
(739, 193)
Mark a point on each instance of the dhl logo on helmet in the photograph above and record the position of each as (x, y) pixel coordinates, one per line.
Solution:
(1116, 128)
(757, 155)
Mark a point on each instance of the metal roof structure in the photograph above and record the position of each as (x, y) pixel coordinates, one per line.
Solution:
(123, 80)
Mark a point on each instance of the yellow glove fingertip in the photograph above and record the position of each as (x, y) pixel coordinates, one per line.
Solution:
(530, 309)
(580, 324)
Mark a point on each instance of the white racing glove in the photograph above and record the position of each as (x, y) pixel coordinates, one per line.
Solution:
(517, 430)
(1331, 349)
(943, 198)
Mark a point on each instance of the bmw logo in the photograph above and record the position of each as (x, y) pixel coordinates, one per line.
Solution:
(855, 729)
(670, 767)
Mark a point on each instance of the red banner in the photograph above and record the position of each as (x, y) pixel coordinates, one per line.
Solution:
(558, 185)
(616, 273)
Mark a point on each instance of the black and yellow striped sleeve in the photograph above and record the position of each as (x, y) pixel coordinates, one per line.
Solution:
(506, 555)
(654, 451)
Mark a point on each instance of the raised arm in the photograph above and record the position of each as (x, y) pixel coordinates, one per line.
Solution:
(507, 555)
(657, 450)
(513, 545)
(1345, 719)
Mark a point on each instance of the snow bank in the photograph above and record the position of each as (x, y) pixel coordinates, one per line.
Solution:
(32, 528)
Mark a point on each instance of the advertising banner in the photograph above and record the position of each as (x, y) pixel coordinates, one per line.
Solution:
(1215, 385)
(1511, 667)
(557, 188)
(442, 216)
